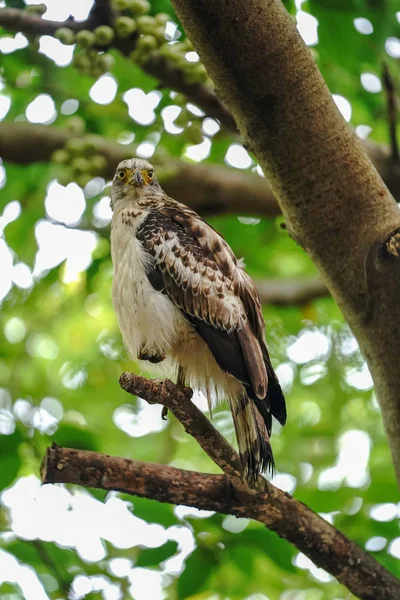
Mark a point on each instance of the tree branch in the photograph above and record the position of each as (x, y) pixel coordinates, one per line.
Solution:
(290, 519)
(15, 19)
(291, 292)
(207, 188)
(334, 202)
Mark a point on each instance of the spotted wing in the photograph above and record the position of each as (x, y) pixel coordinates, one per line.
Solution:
(195, 267)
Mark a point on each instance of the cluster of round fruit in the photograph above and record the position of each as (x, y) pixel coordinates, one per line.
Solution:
(148, 42)
(82, 158)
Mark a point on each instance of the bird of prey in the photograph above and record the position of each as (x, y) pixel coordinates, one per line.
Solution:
(183, 300)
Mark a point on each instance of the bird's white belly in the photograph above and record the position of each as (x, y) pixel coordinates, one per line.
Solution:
(149, 322)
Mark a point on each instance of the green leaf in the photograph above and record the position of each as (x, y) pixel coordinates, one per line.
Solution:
(70, 436)
(199, 567)
(153, 512)
(10, 460)
(149, 557)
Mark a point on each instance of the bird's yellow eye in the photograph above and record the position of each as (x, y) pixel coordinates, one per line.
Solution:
(121, 174)
(150, 175)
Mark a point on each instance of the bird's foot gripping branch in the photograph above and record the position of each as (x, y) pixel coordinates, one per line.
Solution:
(228, 493)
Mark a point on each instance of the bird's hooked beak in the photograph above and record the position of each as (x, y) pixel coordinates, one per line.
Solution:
(137, 178)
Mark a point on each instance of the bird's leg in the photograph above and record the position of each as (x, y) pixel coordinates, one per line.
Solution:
(180, 381)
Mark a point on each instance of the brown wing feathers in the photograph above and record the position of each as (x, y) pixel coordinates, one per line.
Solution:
(196, 268)
(254, 360)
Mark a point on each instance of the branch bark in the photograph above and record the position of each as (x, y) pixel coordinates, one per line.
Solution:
(290, 519)
(207, 188)
(334, 201)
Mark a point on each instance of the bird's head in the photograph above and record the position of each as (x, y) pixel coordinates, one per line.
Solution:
(133, 179)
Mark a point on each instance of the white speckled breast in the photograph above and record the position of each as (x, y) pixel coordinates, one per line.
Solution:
(148, 320)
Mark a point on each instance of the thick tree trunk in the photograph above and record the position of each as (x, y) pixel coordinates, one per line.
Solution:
(335, 203)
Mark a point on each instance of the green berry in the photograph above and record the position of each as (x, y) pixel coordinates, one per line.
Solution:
(180, 100)
(146, 24)
(172, 52)
(186, 45)
(85, 38)
(82, 179)
(76, 124)
(36, 9)
(147, 42)
(195, 73)
(158, 33)
(92, 143)
(98, 163)
(104, 62)
(60, 157)
(172, 55)
(65, 35)
(162, 18)
(124, 27)
(96, 71)
(80, 164)
(104, 35)
(75, 146)
(82, 62)
(65, 178)
(120, 5)
(139, 7)
(139, 56)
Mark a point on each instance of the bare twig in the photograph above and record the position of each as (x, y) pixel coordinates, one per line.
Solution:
(15, 19)
(390, 89)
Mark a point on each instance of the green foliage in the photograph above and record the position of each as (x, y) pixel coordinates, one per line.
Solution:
(61, 352)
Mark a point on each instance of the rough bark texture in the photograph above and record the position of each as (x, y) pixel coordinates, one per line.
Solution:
(335, 203)
(290, 519)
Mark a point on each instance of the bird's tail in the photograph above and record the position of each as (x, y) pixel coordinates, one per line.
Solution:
(252, 433)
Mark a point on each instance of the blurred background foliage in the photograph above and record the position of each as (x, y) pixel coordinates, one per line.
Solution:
(61, 351)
